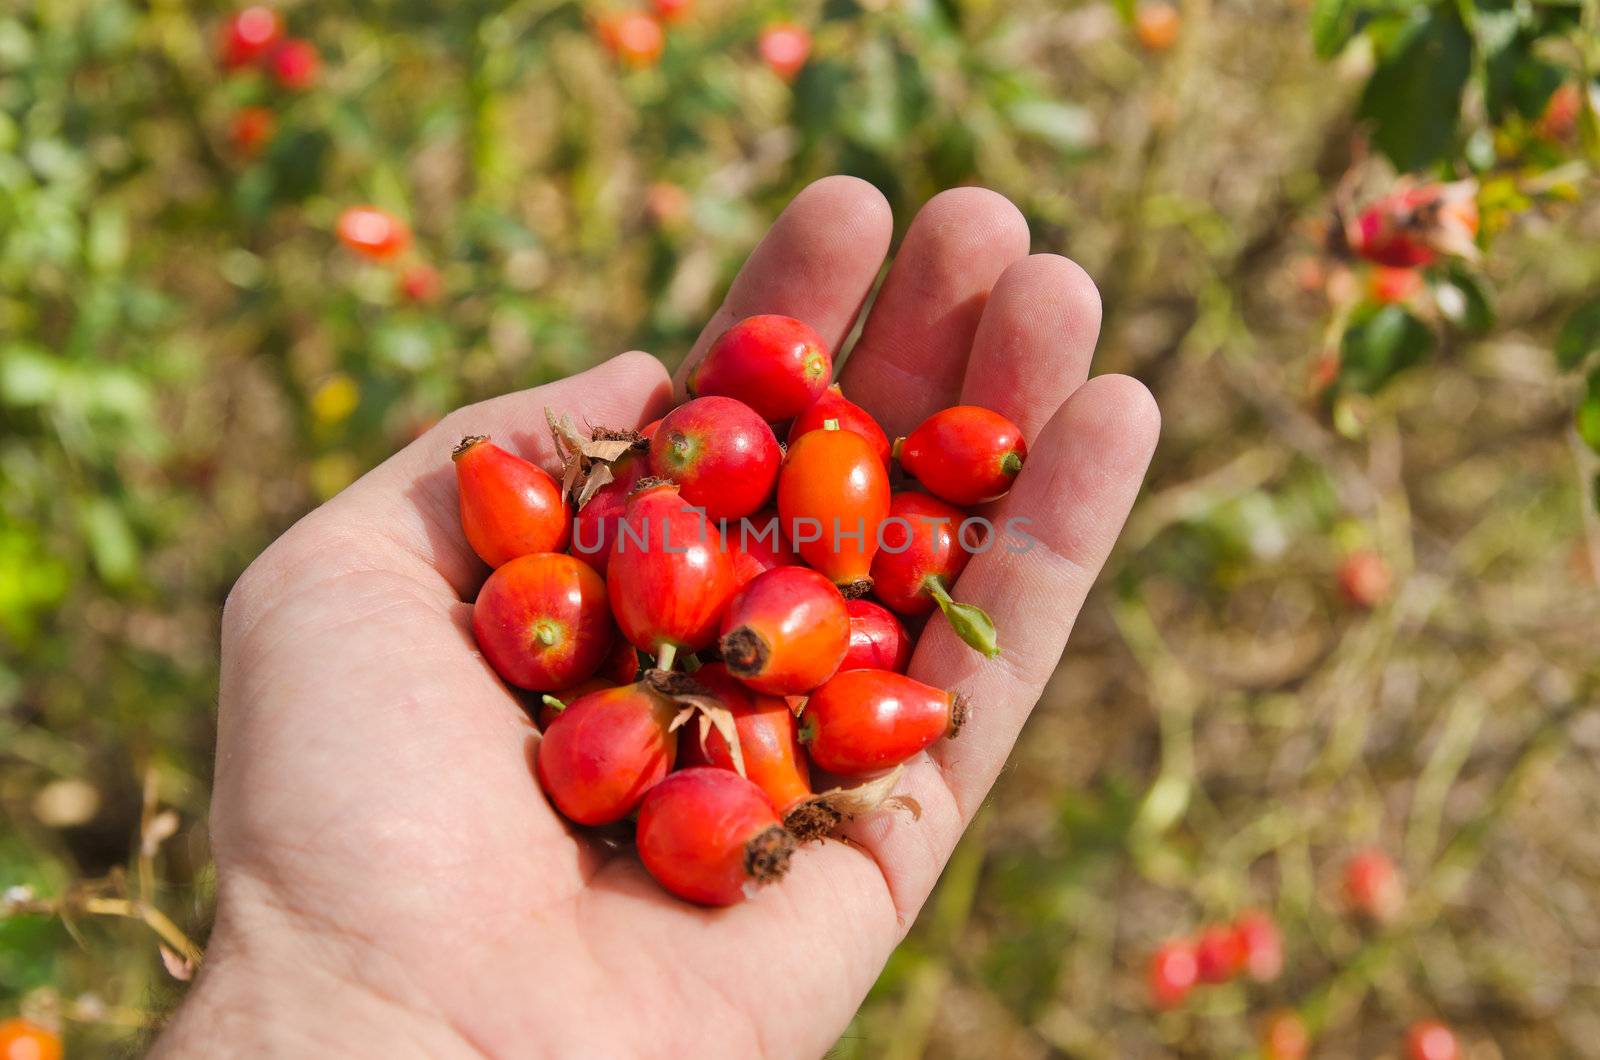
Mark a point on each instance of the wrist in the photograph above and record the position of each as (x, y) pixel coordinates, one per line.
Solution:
(271, 986)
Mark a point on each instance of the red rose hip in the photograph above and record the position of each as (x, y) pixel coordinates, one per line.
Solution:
(1217, 955)
(965, 455)
(1172, 973)
(1431, 1040)
(605, 750)
(833, 496)
(868, 721)
(878, 641)
(373, 233)
(705, 834)
(923, 552)
(833, 405)
(785, 632)
(509, 506)
(769, 740)
(777, 365)
(249, 35)
(1372, 886)
(1260, 945)
(722, 455)
(669, 579)
(543, 621)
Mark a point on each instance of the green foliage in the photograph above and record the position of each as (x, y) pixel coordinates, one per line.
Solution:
(1414, 97)
(1380, 344)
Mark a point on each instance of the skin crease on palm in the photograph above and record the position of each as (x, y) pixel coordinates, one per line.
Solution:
(391, 880)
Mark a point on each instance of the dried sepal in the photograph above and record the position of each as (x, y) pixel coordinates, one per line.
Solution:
(822, 813)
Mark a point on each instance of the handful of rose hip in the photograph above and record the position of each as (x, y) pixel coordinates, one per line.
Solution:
(699, 542)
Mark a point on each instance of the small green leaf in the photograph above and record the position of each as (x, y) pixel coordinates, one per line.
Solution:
(1380, 345)
(1333, 23)
(972, 624)
(1588, 418)
(1414, 97)
(1579, 336)
(1463, 301)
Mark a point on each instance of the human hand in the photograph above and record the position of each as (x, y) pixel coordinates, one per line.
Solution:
(391, 880)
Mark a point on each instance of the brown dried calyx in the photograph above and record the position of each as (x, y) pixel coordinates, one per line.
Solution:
(586, 462)
(766, 857)
(856, 589)
(960, 710)
(821, 814)
(745, 652)
(696, 703)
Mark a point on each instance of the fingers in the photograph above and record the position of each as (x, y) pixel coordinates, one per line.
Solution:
(913, 352)
(402, 516)
(1072, 496)
(818, 264)
(1034, 343)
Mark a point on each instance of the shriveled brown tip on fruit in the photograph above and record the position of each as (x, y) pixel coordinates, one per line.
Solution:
(649, 482)
(745, 652)
(766, 857)
(669, 683)
(812, 819)
(856, 589)
(467, 443)
(960, 708)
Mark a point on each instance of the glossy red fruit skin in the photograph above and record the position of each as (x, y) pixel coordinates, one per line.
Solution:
(777, 365)
(785, 632)
(833, 405)
(1284, 1037)
(833, 496)
(965, 454)
(721, 453)
(1260, 944)
(594, 528)
(668, 578)
(1431, 1040)
(868, 721)
(373, 233)
(878, 641)
(1372, 886)
(543, 621)
(509, 506)
(1172, 973)
(756, 544)
(621, 664)
(785, 47)
(769, 740)
(705, 833)
(926, 546)
(295, 64)
(1217, 955)
(672, 10)
(248, 36)
(601, 754)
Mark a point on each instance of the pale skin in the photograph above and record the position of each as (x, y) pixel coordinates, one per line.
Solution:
(392, 882)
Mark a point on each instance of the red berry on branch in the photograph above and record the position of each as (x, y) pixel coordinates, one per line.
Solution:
(509, 506)
(785, 47)
(1156, 24)
(1261, 944)
(295, 64)
(777, 365)
(706, 834)
(866, 721)
(373, 233)
(543, 621)
(1217, 955)
(1414, 225)
(248, 36)
(252, 130)
(672, 10)
(635, 38)
(1431, 1040)
(1172, 973)
(1372, 886)
(785, 632)
(1364, 579)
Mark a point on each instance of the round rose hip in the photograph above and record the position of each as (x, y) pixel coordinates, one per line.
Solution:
(777, 365)
(249, 35)
(769, 740)
(706, 833)
(1260, 944)
(785, 47)
(295, 64)
(1372, 886)
(722, 455)
(1431, 1040)
(785, 632)
(1172, 973)
(543, 621)
(833, 405)
(965, 455)
(669, 579)
(373, 233)
(877, 639)
(1217, 955)
(605, 750)
(868, 721)
(509, 506)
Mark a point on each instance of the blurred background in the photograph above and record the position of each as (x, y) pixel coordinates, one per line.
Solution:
(1344, 668)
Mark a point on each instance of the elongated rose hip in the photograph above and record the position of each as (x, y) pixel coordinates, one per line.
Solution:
(769, 740)
(878, 641)
(775, 364)
(785, 632)
(721, 453)
(866, 721)
(509, 506)
(704, 834)
(605, 750)
(669, 578)
(833, 405)
(965, 455)
(833, 496)
(543, 621)
(924, 551)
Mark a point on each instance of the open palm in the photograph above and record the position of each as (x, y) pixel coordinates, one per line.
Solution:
(392, 881)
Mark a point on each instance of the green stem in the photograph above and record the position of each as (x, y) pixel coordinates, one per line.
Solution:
(830, 425)
(553, 703)
(972, 624)
(666, 656)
